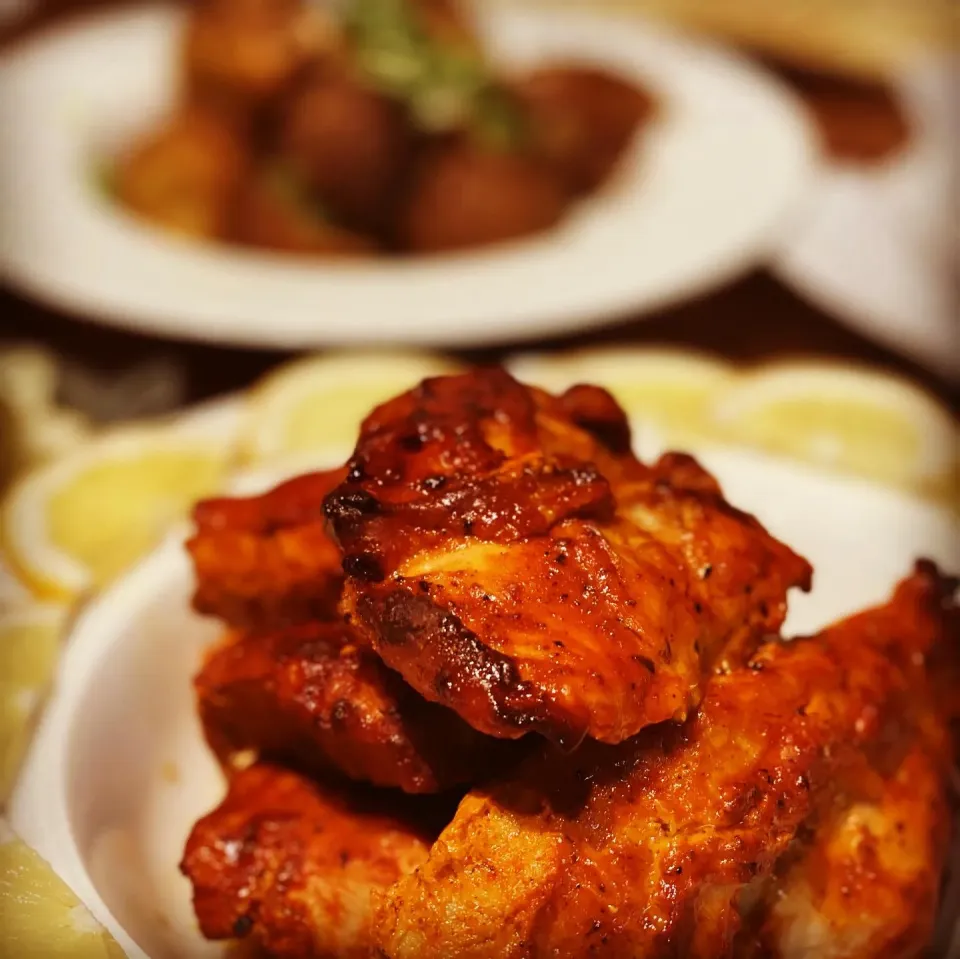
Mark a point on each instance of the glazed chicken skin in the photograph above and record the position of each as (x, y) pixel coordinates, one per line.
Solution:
(307, 697)
(510, 558)
(292, 866)
(267, 562)
(651, 849)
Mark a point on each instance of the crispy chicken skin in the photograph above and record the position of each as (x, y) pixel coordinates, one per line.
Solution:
(308, 697)
(293, 866)
(650, 849)
(267, 561)
(506, 553)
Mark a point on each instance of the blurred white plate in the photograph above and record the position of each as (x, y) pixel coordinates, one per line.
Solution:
(701, 198)
(118, 772)
(879, 247)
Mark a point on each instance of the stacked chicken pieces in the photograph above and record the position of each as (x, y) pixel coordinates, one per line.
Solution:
(497, 689)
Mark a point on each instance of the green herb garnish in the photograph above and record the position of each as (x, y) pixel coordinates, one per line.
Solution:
(445, 87)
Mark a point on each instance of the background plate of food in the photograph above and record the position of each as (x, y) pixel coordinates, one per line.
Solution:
(878, 245)
(387, 176)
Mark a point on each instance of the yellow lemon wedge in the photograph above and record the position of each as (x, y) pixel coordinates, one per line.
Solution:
(846, 418)
(75, 523)
(669, 391)
(318, 403)
(40, 917)
(29, 646)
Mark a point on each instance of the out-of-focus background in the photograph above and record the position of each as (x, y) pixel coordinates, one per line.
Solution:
(873, 76)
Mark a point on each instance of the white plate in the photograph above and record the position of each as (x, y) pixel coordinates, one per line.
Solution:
(879, 248)
(700, 198)
(118, 772)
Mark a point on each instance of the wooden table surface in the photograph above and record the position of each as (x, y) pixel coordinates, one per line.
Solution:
(753, 318)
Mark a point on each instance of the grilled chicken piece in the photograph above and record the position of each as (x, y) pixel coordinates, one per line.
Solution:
(293, 866)
(266, 562)
(306, 696)
(867, 883)
(738, 574)
(507, 554)
(650, 848)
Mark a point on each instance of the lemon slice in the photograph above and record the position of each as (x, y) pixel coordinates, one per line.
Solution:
(318, 403)
(845, 418)
(662, 390)
(13, 594)
(29, 647)
(40, 918)
(76, 523)
(32, 428)
(28, 439)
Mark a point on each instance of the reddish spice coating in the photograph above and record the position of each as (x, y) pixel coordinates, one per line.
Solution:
(309, 698)
(506, 553)
(651, 849)
(866, 884)
(268, 561)
(294, 866)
